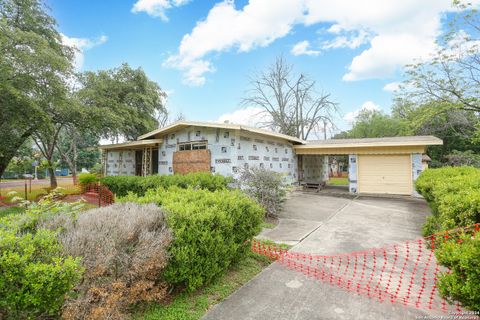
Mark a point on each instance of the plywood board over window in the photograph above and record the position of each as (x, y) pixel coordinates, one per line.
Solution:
(191, 161)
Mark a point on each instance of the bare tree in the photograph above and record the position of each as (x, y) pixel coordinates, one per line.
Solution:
(291, 101)
(453, 73)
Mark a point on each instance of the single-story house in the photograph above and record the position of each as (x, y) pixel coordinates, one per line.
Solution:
(375, 165)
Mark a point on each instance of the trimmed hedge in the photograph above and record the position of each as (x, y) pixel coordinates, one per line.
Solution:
(121, 185)
(454, 196)
(463, 283)
(210, 230)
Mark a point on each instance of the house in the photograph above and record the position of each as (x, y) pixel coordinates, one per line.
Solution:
(375, 165)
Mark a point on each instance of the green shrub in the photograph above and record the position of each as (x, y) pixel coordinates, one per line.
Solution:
(121, 185)
(86, 178)
(453, 195)
(210, 230)
(265, 186)
(35, 277)
(463, 283)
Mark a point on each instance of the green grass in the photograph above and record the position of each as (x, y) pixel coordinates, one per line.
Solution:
(338, 181)
(37, 190)
(195, 305)
(11, 210)
(268, 225)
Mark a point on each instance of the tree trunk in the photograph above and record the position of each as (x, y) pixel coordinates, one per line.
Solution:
(51, 173)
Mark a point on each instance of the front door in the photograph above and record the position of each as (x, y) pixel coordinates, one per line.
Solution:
(154, 161)
(138, 162)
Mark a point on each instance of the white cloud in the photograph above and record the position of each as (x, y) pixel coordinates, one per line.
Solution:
(256, 25)
(366, 106)
(81, 45)
(397, 32)
(302, 48)
(157, 8)
(392, 86)
(351, 40)
(249, 116)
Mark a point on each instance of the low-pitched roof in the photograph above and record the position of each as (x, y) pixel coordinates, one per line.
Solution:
(133, 144)
(183, 124)
(373, 142)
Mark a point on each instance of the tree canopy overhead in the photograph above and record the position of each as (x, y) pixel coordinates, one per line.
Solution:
(33, 67)
(122, 102)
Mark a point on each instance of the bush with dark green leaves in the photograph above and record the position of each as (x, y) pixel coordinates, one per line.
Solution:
(121, 185)
(454, 196)
(463, 282)
(86, 178)
(35, 275)
(210, 230)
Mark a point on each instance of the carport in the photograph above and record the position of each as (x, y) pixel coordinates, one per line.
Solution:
(376, 165)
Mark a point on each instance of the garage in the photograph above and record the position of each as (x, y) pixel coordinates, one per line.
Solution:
(391, 174)
(377, 165)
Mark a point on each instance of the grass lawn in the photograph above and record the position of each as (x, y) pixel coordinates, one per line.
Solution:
(68, 188)
(338, 181)
(194, 305)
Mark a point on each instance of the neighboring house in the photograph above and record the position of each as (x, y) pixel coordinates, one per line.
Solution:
(378, 165)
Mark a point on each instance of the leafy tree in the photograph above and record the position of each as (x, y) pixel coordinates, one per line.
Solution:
(33, 67)
(121, 102)
(290, 101)
(453, 125)
(453, 74)
(374, 124)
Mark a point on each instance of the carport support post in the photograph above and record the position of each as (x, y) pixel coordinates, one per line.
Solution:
(352, 173)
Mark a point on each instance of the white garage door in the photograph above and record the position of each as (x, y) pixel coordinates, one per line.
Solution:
(385, 174)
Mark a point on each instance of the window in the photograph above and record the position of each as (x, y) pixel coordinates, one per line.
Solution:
(197, 145)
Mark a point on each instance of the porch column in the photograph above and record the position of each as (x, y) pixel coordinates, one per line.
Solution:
(146, 161)
(352, 173)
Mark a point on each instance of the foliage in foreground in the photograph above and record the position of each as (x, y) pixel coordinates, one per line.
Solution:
(36, 275)
(124, 251)
(121, 185)
(453, 195)
(192, 306)
(265, 186)
(463, 283)
(210, 230)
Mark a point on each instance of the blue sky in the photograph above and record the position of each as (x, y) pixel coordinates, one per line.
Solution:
(202, 52)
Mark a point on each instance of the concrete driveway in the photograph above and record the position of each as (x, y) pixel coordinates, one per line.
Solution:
(326, 224)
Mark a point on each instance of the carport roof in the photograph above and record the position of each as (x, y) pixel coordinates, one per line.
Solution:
(373, 142)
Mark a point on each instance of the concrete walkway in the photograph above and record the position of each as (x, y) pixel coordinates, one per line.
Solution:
(326, 224)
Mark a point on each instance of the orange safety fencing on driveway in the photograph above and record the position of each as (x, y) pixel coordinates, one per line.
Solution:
(404, 273)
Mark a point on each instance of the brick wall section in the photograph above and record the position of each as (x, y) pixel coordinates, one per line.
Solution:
(191, 161)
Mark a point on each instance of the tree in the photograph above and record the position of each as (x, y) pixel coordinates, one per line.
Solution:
(374, 124)
(290, 102)
(452, 76)
(33, 67)
(453, 125)
(121, 102)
